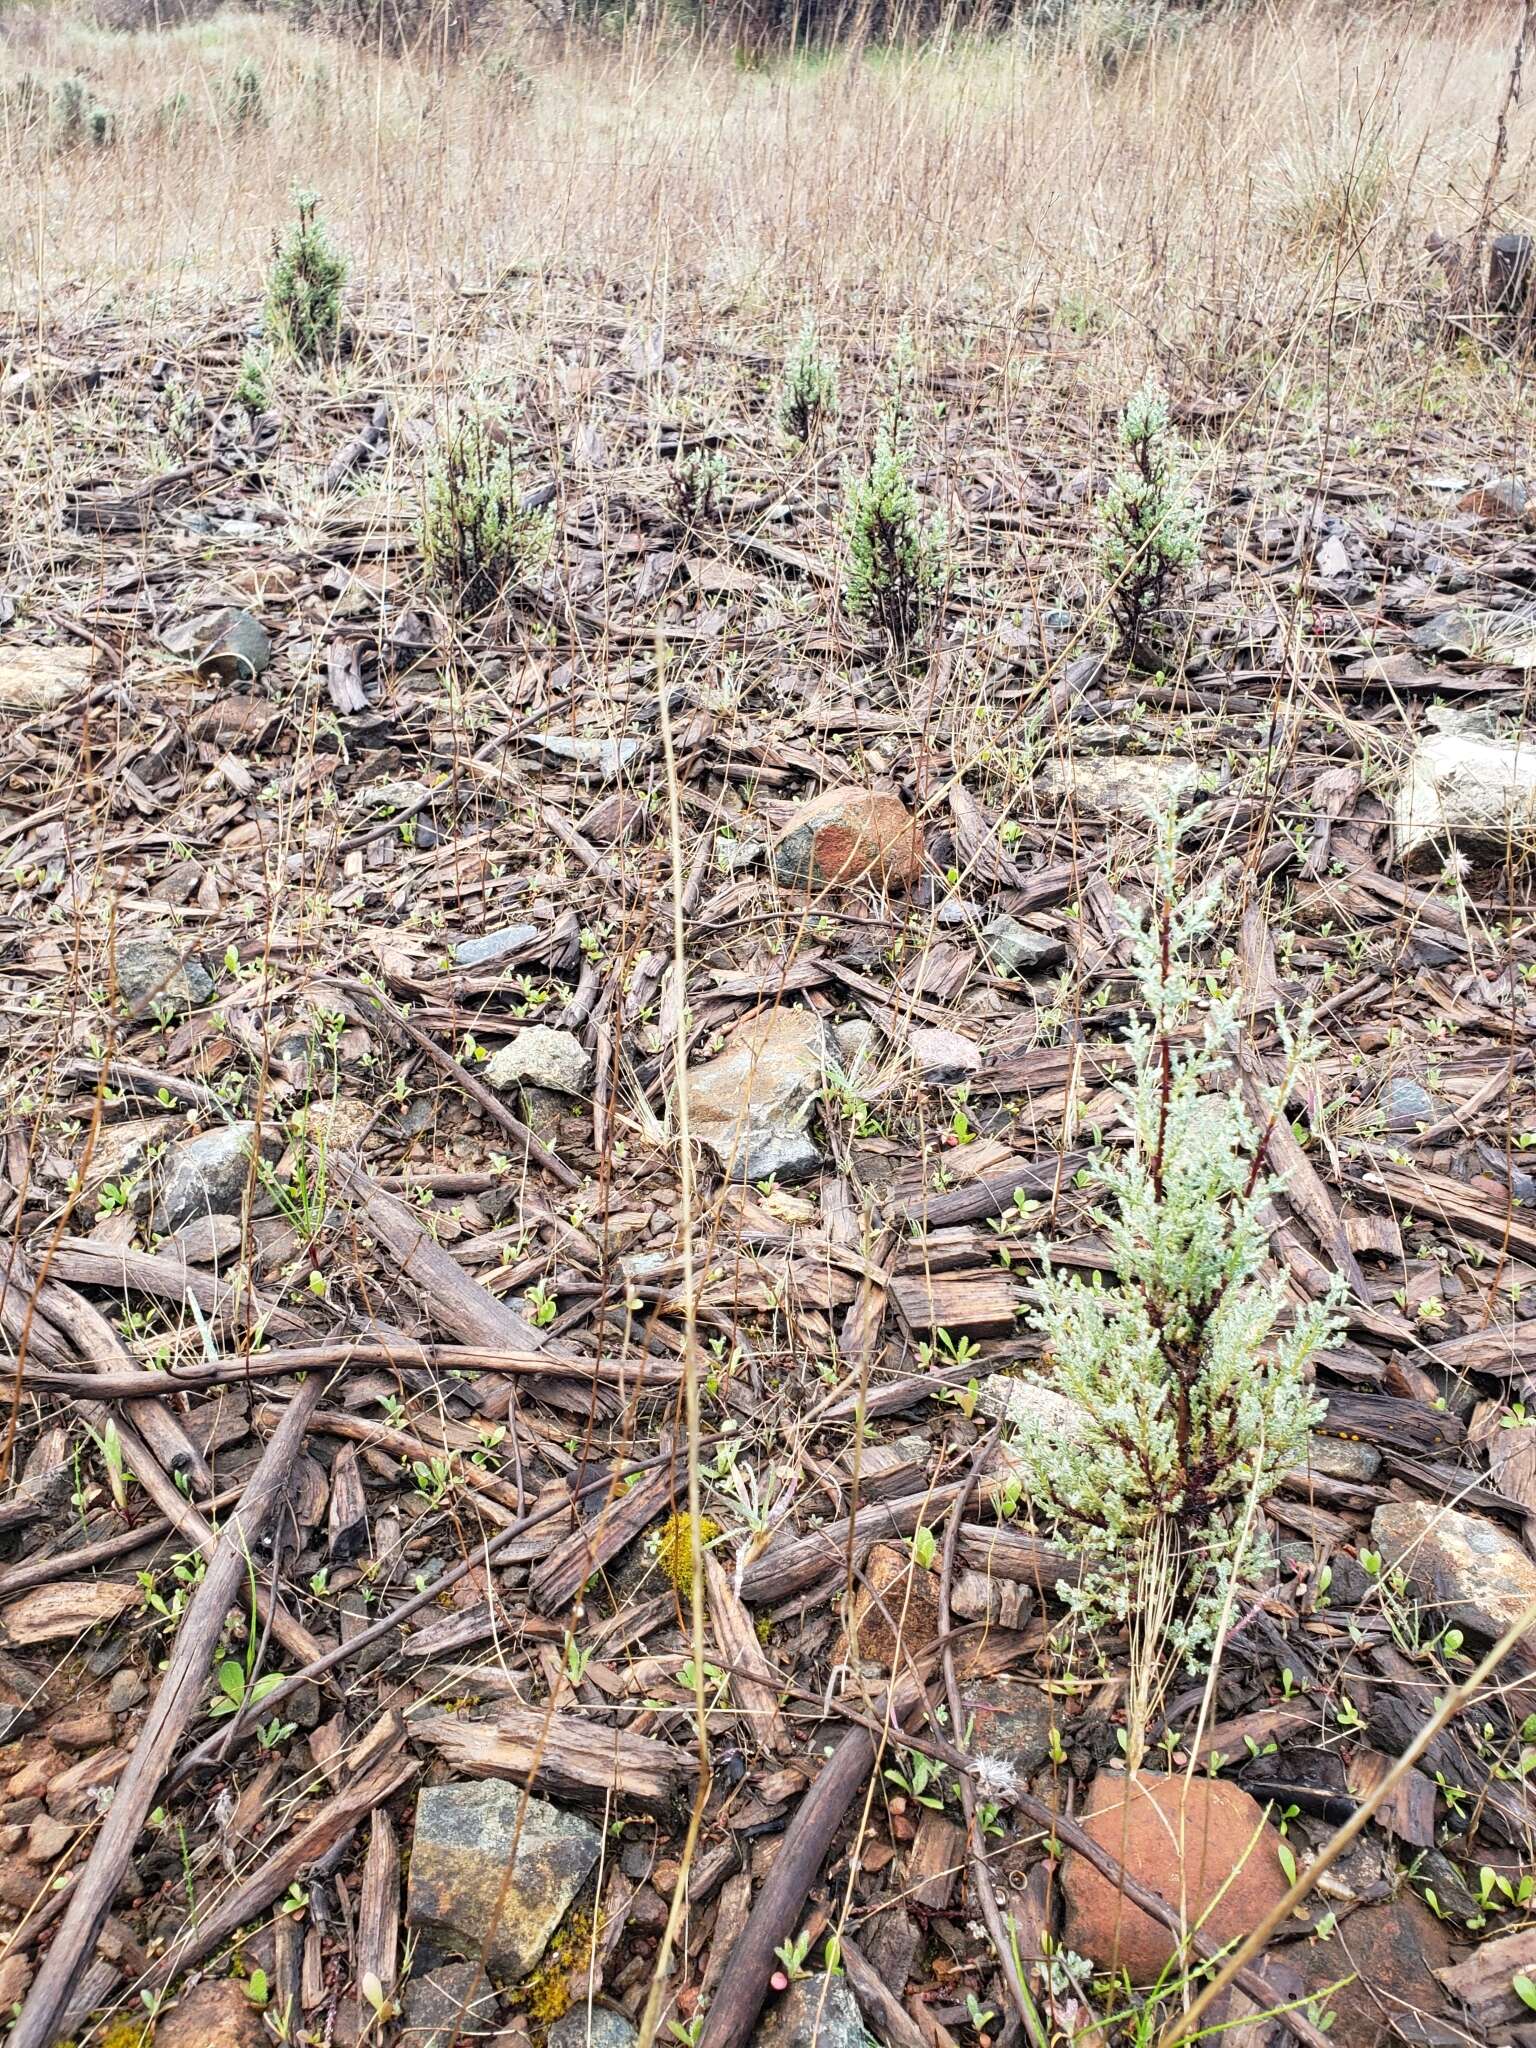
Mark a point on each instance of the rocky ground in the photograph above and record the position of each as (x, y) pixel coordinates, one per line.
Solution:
(342, 1179)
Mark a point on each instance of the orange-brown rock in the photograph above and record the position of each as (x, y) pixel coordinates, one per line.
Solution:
(850, 835)
(212, 2015)
(898, 1596)
(1203, 1845)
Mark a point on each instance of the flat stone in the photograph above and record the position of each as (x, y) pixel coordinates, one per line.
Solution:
(204, 1240)
(597, 2026)
(906, 1591)
(819, 2011)
(541, 1057)
(1203, 1844)
(159, 972)
(209, 1175)
(1010, 1726)
(454, 2002)
(1014, 948)
(942, 1057)
(1127, 787)
(1476, 1571)
(750, 1106)
(1407, 1104)
(226, 643)
(1464, 792)
(858, 1045)
(593, 760)
(1391, 1949)
(848, 834)
(1025, 1405)
(465, 1836)
(47, 1839)
(214, 2014)
(491, 947)
(1335, 1458)
(1501, 497)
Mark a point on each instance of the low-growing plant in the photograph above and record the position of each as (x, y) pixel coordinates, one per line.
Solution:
(1149, 523)
(477, 541)
(808, 397)
(302, 315)
(253, 389)
(896, 558)
(1191, 1399)
(698, 482)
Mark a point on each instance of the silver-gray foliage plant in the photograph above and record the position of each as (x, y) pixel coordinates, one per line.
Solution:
(1190, 1376)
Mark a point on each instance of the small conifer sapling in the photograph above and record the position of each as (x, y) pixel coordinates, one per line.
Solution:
(698, 484)
(1149, 523)
(809, 395)
(477, 542)
(303, 305)
(896, 558)
(1189, 1374)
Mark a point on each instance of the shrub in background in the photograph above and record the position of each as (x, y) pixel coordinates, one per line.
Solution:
(808, 397)
(78, 119)
(243, 95)
(477, 543)
(303, 306)
(1193, 1394)
(1149, 523)
(896, 559)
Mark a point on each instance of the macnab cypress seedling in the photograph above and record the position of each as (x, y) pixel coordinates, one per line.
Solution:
(808, 397)
(1188, 1376)
(477, 543)
(896, 558)
(302, 315)
(1149, 523)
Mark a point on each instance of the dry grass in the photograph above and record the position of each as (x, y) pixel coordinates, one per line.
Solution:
(1227, 175)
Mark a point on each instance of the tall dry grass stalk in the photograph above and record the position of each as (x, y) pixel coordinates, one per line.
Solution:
(1199, 191)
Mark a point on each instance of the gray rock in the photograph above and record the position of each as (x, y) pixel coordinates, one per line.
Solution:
(451, 2003)
(1335, 1458)
(541, 1057)
(593, 760)
(491, 947)
(1010, 1724)
(942, 1057)
(1407, 1104)
(598, 2026)
(1522, 1185)
(227, 643)
(466, 1834)
(857, 1042)
(1026, 1406)
(1454, 1896)
(152, 972)
(1476, 1571)
(751, 1105)
(1014, 948)
(819, 2011)
(787, 1157)
(208, 1175)
(1463, 792)
(1130, 787)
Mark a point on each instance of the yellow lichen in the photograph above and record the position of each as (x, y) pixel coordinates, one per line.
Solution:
(128, 2033)
(545, 1995)
(674, 1547)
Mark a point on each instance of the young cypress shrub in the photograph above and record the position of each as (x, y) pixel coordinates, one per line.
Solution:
(808, 396)
(477, 543)
(1189, 1380)
(897, 560)
(1149, 523)
(302, 315)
